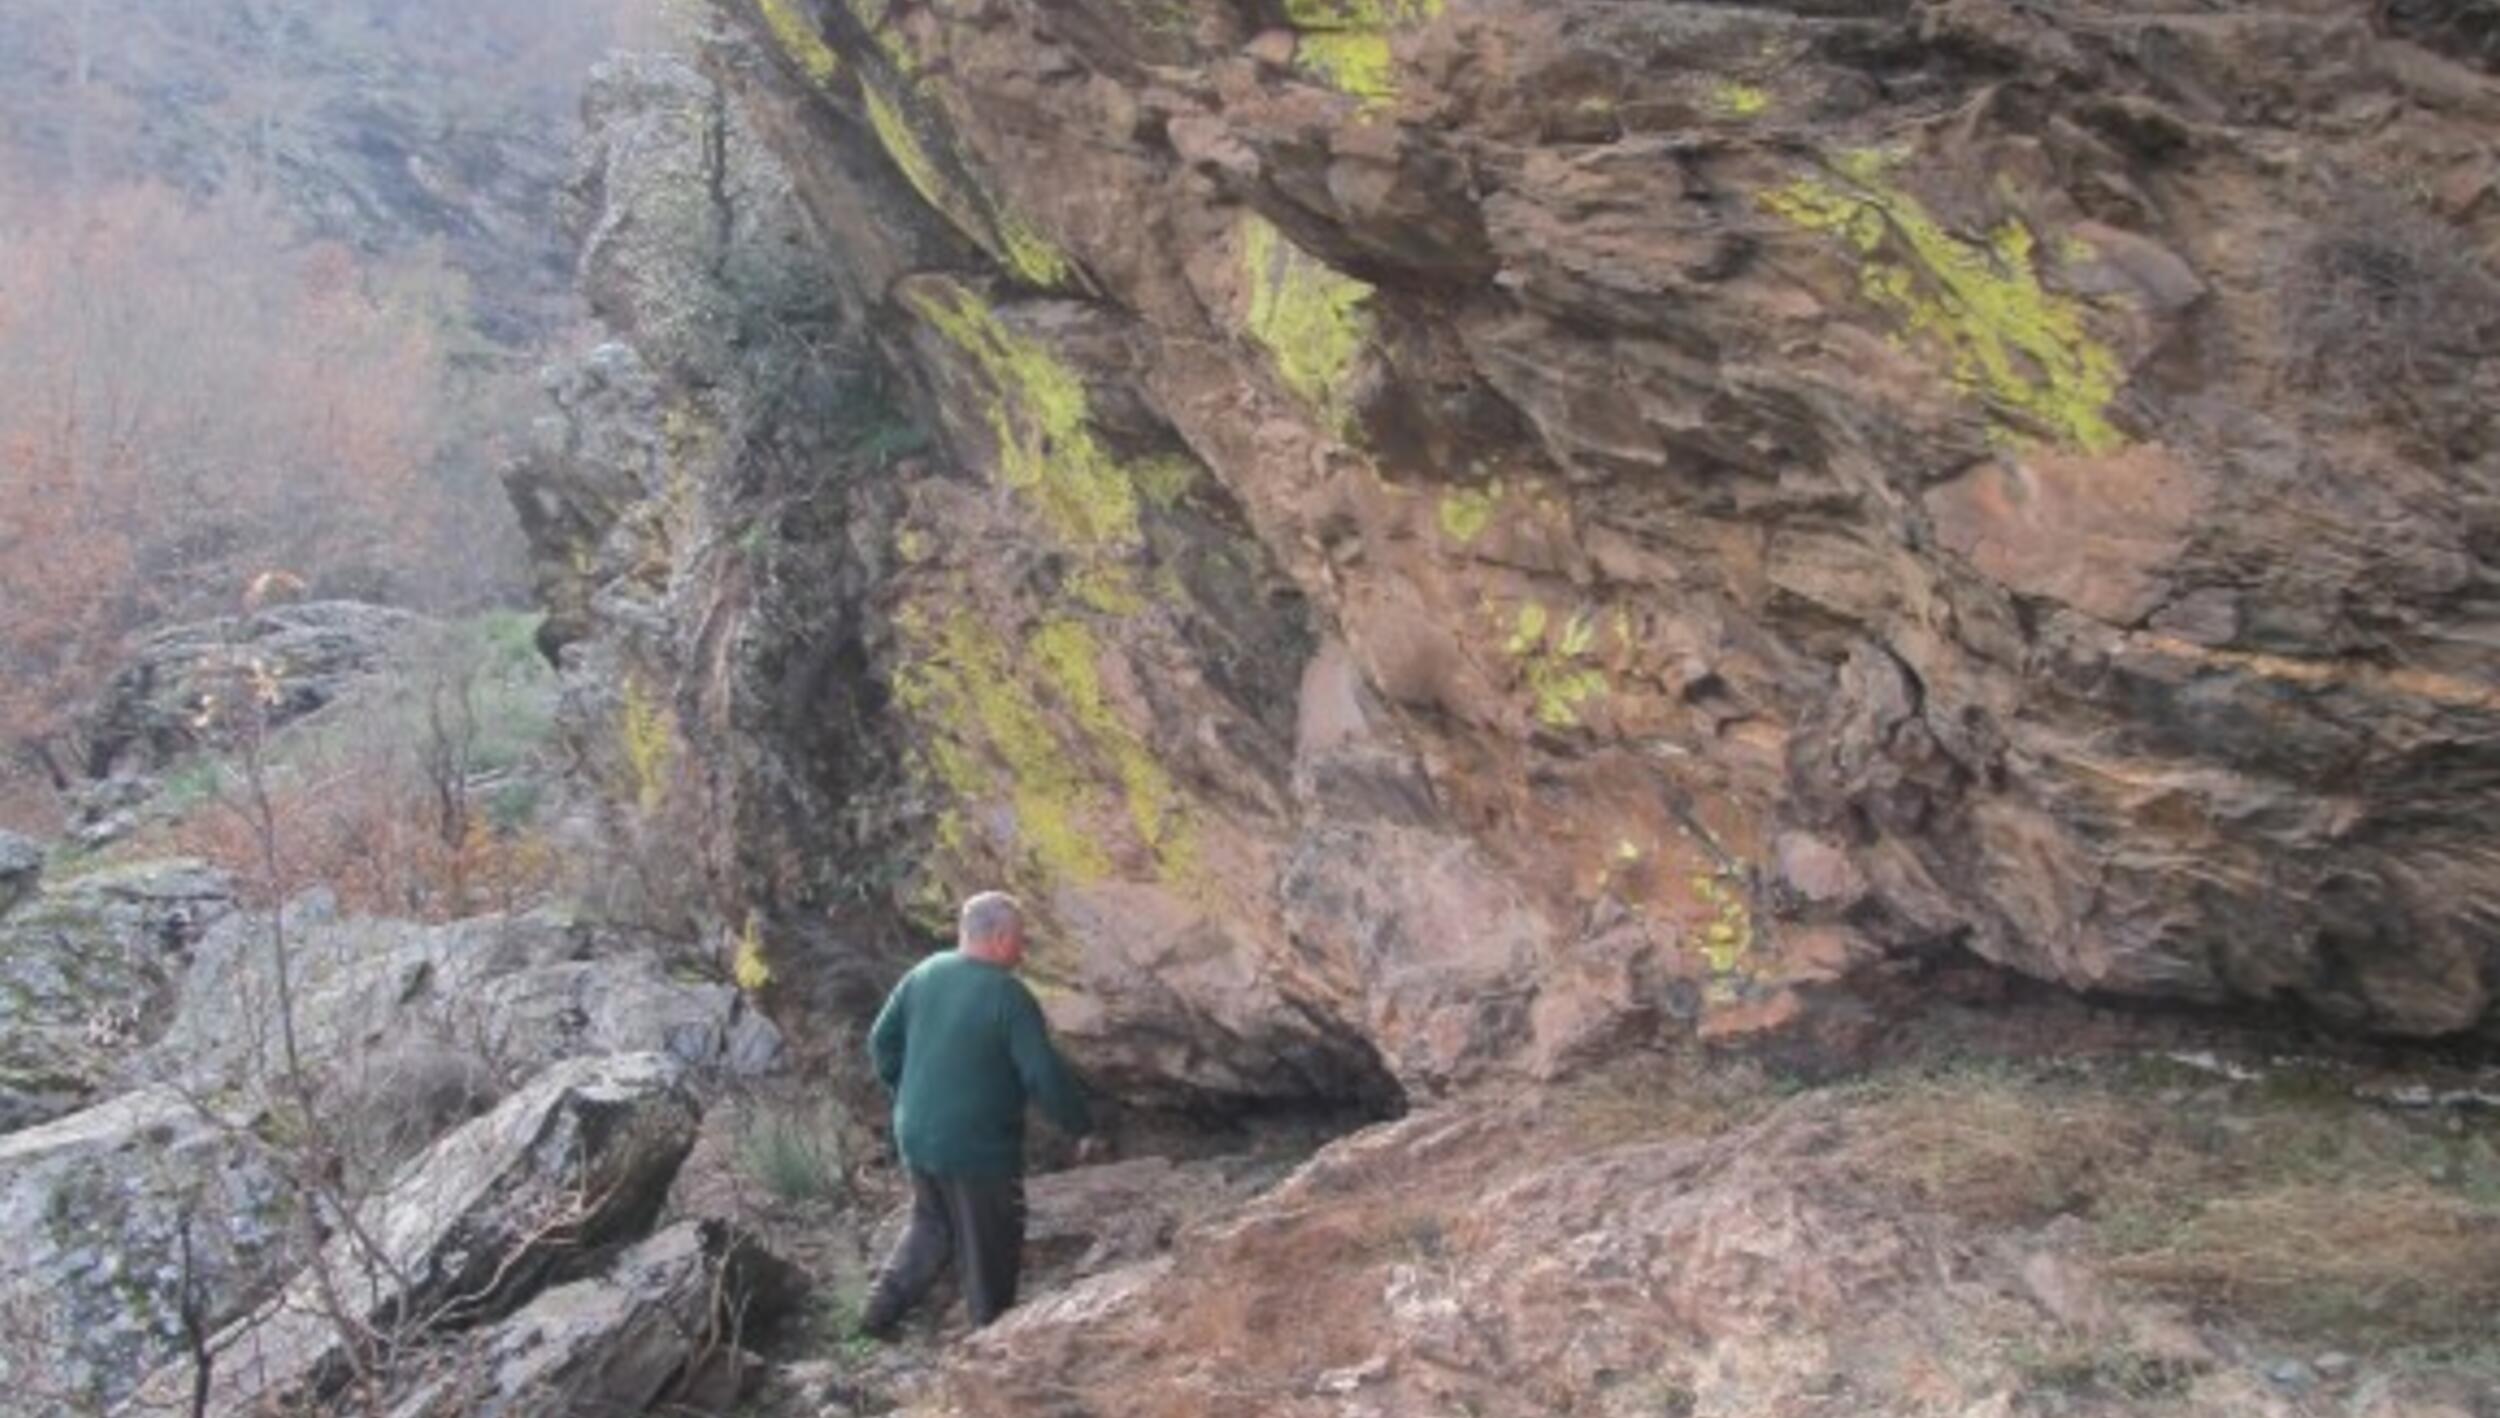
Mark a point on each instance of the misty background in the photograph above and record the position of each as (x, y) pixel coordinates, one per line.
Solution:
(276, 277)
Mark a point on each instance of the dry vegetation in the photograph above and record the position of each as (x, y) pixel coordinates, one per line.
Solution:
(189, 398)
(2299, 1212)
(2384, 299)
(418, 796)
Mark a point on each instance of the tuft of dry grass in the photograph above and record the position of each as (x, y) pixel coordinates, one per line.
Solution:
(2405, 1261)
(798, 1153)
(2384, 298)
(1658, 1099)
(1990, 1147)
(2306, 1213)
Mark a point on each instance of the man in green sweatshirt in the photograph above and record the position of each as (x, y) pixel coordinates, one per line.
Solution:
(962, 1046)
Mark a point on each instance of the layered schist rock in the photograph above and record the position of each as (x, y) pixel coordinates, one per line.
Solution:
(1470, 535)
(580, 1158)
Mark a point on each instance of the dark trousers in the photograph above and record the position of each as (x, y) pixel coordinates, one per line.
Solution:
(979, 1222)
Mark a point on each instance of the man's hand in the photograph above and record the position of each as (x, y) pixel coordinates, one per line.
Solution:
(1091, 1149)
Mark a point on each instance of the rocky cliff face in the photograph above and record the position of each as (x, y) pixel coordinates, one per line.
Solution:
(1464, 537)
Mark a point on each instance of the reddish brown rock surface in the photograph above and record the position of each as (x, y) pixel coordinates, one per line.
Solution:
(1468, 537)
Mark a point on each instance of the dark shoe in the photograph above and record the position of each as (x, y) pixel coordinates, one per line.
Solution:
(881, 1322)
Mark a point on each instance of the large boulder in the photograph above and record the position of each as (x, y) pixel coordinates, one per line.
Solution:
(87, 975)
(123, 1219)
(738, 382)
(21, 867)
(378, 1002)
(1469, 537)
(150, 713)
(661, 1325)
(579, 1159)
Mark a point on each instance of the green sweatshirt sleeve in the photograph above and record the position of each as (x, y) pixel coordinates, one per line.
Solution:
(1047, 1079)
(885, 1037)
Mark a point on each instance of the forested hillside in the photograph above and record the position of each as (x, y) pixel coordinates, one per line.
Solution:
(277, 280)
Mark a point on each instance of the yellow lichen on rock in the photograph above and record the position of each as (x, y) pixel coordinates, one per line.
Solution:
(1727, 939)
(1465, 515)
(798, 39)
(747, 965)
(902, 144)
(1028, 720)
(1345, 43)
(1553, 664)
(871, 15)
(1010, 239)
(1164, 481)
(1071, 658)
(989, 736)
(1310, 317)
(1030, 254)
(1733, 100)
(1037, 407)
(648, 732)
(1359, 64)
(2024, 350)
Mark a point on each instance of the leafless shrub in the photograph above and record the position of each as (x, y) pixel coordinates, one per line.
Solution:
(2384, 300)
(386, 1106)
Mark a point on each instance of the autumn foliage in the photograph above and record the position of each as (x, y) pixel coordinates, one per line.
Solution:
(190, 396)
(418, 795)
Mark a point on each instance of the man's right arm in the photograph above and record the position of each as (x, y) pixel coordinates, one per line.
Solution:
(1047, 1079)
(886, 1037)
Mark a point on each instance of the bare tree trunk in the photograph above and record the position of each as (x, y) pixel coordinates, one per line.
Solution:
(195, 1325)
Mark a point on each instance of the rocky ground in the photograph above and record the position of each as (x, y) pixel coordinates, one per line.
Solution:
(2109, 1237)
(538, 1166)
(2132, 1228)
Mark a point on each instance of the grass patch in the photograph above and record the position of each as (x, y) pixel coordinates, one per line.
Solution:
(1657, 1099)
(2083, 1367)
(490, 660)
(2385, 298)
(1419, 1238)
(833, 1327)
(193, 786)
(797, 1154)
(1991, 1146)
(2289, 1204)
(2404, 1261)
(515, 805)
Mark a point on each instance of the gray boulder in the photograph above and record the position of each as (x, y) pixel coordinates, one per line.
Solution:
(21, 869)
(45, 1073)
(149, 713)
(86, 975)
(659, 1326)
(513, 994)
(114, 1216)
(106, 939)
(579, 1159)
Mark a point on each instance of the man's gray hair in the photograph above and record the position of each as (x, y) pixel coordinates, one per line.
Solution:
(988, 916)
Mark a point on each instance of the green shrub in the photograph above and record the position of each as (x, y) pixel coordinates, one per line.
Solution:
(795, 1153)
